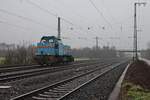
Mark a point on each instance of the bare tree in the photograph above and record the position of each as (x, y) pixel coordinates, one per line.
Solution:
(146, 53)
(94, 52)
(19, 55)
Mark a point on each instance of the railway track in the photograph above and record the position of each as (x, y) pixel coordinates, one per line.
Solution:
(4, 69)
(9, 68)
(15, 65)
(12, 76)
(65, 87)
(18, 68)
(20, 65)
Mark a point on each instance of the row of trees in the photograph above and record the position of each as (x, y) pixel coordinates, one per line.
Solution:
(24, 54)
(94, 52)
(15, 54)
(19, 55)
(146, 53)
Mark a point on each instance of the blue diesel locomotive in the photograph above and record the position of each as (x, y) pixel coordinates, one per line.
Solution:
(51, 50)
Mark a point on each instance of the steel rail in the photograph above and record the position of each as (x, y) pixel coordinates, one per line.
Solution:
(25, 74)
(90, 81)
(26, 67)
(47, 88)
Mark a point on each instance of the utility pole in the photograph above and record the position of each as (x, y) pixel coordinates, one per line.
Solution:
(59, 30)
(135, 53)
(135, 57)
(96, 42)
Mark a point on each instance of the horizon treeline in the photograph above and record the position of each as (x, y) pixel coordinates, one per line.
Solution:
(15, 54)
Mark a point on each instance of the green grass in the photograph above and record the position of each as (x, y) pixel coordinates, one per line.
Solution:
(80, 59)
(135, 92)
(2, 60)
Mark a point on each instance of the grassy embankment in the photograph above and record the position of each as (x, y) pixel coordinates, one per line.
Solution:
(136, 85)
(80, 59)
(134, 92)
(2, 60)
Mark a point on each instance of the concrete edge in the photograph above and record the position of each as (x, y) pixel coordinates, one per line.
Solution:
(146, 60)
(116, 90)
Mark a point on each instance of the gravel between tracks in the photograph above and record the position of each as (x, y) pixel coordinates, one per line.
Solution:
(29, 84)
(98, 89)
(24, 86)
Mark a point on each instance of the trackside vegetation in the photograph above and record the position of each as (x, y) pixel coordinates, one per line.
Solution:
(136, 84)
(135, 92)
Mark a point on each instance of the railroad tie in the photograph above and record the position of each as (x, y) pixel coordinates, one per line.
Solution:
(57, 91)
(62, 89)
(52, 93)
(49, 96)
(41, 98)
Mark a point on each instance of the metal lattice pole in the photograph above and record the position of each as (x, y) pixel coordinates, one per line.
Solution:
(135, 45)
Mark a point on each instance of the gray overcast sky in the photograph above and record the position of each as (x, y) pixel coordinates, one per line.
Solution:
(22, 20)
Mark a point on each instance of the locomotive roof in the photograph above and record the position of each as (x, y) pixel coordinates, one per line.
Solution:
(50, 37)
